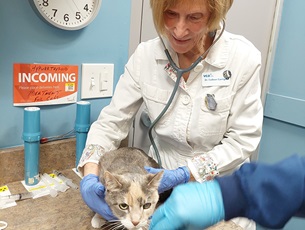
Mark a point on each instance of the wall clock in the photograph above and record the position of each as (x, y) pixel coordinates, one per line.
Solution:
(68, 14)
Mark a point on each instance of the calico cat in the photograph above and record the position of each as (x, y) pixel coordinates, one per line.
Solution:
(131, 192)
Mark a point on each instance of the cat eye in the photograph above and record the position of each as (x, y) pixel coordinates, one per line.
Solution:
(146, 206)
(123, 206)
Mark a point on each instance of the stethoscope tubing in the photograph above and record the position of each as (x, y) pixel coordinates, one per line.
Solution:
(179, 74)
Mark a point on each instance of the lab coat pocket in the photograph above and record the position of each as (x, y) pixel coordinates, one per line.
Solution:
(155, 100)
(214, 123)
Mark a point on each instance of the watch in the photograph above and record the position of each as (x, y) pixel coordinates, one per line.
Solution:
(68, 14)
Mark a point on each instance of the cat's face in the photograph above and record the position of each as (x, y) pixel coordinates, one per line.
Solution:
(132, 201)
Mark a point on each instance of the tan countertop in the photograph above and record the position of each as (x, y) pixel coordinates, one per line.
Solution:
(64, 212)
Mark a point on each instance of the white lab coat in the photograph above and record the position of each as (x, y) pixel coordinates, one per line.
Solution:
(230, 134)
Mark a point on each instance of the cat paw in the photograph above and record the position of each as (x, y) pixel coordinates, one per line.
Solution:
(97, 221)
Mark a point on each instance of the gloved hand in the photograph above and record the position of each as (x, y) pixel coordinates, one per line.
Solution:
(93, 193)
(190, 206)
(171, 178)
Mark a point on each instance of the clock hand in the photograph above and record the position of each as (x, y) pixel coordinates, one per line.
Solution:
(76, 7)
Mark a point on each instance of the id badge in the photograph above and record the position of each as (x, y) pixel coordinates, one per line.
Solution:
(218, 78)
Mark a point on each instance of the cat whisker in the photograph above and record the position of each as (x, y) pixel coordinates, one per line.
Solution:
(146, 226)
(113, 225)
(109, 225)
(118, 227)
(121, 227)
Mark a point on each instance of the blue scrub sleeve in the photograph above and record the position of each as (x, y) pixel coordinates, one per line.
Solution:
(269, 194)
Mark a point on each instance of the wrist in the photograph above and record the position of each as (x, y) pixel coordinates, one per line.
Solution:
(192, 178)
(91, 168)
(91, 154)
(186, 173)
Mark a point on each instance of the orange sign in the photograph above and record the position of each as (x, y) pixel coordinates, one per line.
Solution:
(44, 84)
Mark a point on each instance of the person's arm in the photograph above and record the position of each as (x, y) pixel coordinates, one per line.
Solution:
(268, 194)
(106, 134)
(190, 206)
(114, 121)
(91, 168)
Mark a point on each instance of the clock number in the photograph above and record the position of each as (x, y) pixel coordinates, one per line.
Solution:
(66, 17)
(45, 3)
(86, 8)
(67, 14)
(55, 11)
(77, 15)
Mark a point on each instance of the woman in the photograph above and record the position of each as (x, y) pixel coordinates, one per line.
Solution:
(214, 123)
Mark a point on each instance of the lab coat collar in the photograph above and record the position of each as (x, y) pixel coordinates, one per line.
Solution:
(219, 53)
(160, 54)
(217, 56)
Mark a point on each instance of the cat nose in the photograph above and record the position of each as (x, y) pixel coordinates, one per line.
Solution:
(135, 223)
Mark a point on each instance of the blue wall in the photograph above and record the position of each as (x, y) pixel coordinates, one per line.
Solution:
(284, 123)
(26, 38)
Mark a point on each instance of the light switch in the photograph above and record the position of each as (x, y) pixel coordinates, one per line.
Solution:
(97, 80)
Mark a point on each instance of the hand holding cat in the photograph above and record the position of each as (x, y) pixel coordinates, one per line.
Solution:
(93, 193)
(171, 178)
(192, 206)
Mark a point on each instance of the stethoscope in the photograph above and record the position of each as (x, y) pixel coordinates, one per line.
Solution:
(179, 73)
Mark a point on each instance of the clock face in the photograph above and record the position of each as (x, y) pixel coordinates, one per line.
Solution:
(68, 14)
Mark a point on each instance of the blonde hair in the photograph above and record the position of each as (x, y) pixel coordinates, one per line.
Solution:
(217, 8)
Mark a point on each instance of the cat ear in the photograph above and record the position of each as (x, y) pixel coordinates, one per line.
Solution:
(111, 182)
(154, 180)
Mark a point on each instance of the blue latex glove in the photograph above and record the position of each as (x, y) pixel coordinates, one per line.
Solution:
(190, 206)
(171, 178)
(93, 193)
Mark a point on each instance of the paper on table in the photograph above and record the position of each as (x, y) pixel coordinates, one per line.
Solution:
(40, 189)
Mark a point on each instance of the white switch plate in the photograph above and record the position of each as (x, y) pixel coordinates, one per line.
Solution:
(97, 80)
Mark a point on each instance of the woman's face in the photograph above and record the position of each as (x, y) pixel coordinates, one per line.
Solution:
(186, 26)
